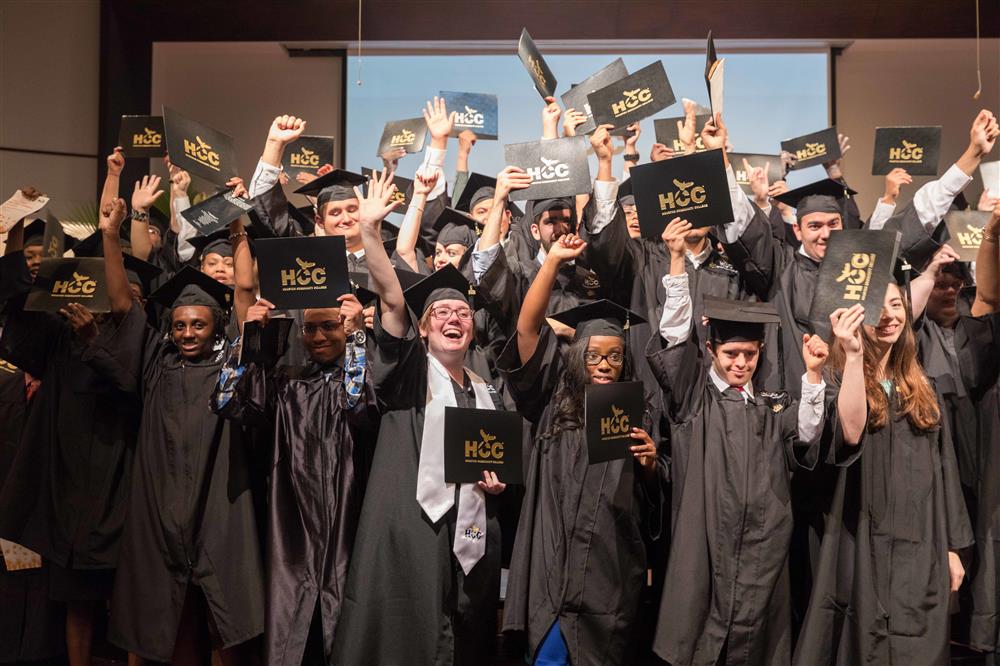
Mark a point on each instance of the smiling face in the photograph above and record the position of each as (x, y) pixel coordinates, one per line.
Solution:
(814, 231)
(892, 320)
(552, 225)
(323, 335)
(33, 257)
(450, 254)
(632, 220)
(941, 304)
(340, 218)
(447, 328)
(734, 362)
(192, 329)
(609, 353)
(218, 268)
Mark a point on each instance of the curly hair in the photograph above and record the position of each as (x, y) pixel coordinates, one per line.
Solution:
(567, 399)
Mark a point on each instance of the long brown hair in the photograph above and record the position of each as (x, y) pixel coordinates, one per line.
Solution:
(917, 400)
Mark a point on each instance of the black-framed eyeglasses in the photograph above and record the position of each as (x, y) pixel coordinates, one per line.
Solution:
(444, 314)
(328, 326)
(614, 359)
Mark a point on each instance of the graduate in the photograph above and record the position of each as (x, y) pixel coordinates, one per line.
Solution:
(579, 563)
(318, 422)
(424, 578)
(897, 524)
(190, 575)
(726, 597)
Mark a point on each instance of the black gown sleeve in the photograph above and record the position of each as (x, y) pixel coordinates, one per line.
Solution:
(503, 287)
(758, 257)
(532, 384)
(613, 254)
(681, 373)
(398, 367)
(978, 347)
(113, 354)
(271, 208)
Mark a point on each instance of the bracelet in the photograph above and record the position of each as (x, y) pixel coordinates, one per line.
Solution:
(631, 157)
(139, 216)
(240, 234)
(987, 236)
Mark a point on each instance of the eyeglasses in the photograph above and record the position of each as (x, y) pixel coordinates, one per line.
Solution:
(614, 359)
(328, 326)
(444, 314)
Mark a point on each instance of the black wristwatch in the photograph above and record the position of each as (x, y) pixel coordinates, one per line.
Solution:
(359, 337)
(631, 157)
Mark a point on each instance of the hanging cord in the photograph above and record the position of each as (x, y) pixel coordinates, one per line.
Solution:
(359, 42)
(979, 71)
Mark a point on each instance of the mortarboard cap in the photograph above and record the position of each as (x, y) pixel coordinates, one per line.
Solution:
(34, 232)
(738, 321)
(159, 219)
(447, 283)
(217, 243)
(821, 196)
(408, 278)
(601, 317)
(476, 182)
(338, 178)
(140, 272)
(190, 286)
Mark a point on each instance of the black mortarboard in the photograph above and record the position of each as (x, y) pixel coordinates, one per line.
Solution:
(359, 285)
(447, 283)
(218, 243)
(601, 317)
(334, 186)
(821, 196)
(34, 232)
(140, 272)
(408, 278)
(192, 287)
(476, 182)
(540, 206)
(625, 196)
(456, 227)
(738, 321)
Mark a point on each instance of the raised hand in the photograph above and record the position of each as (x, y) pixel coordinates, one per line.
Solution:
(894, 180)
(511, 178)
(660, 152)
(112, 215)
(116, 162)
(847, 328)
(304, 177)
(687, 129)
(567, 248)
(424, 183)
(180, 181)
(373, 208)
(466, 140)
(491, 484)
(390, 158)
(632, 140)
(352, 314)
(285, 129)
(260, 311)
(759, 184)
(984, 132)
(833, 166)
(145, 193)
(943, 256)
(572, 120)
(550, 118)
(986, 200)
(238, 188)
(82, 320)
(644, 452)
(714, 134)
(600, 141)
(815, 351)
(438, 120)
(673, 236)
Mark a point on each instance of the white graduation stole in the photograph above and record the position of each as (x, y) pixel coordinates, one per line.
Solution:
(434, 495)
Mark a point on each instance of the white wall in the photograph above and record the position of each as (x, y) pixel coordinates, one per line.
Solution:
(49, 63)
(911, 82)
(239, 87)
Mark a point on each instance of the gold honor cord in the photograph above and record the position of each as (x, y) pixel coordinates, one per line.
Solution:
(359, 41)
(979, 71)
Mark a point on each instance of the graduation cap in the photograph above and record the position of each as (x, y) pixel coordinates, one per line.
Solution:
(337, 185)
(140, 272)
(159, 219)
(821, 196)
(601, 317)
(456, 227)
(34, 232)
(447, 283)
(217, 243)
(359, 285)
(472, 194)
(625, 196)
(738, 321)
(190, 286)
(408, 278)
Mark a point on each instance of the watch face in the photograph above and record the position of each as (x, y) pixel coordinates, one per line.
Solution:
(359, 337)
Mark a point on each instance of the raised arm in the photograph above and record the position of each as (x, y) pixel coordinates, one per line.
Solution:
(511, 178)
(246, 288)
(119, 294)
(284, 129)
(144, 196)
(852, 401)
(922, 286)
(536, 301)
(371, 211)
(116, 162)
(550, 118)
(409, 231)
(987, 272)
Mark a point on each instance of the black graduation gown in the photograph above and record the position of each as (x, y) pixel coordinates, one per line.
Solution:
(407, 600)
(66, 496)
(190, 519)
(977, 341)
(321, 452)
(579, 555)
(31, 626)
(881, 583)
(726, 596)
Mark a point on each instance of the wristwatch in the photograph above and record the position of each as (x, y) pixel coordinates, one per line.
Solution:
(139, 215)
(359, 337)
(631, 157)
